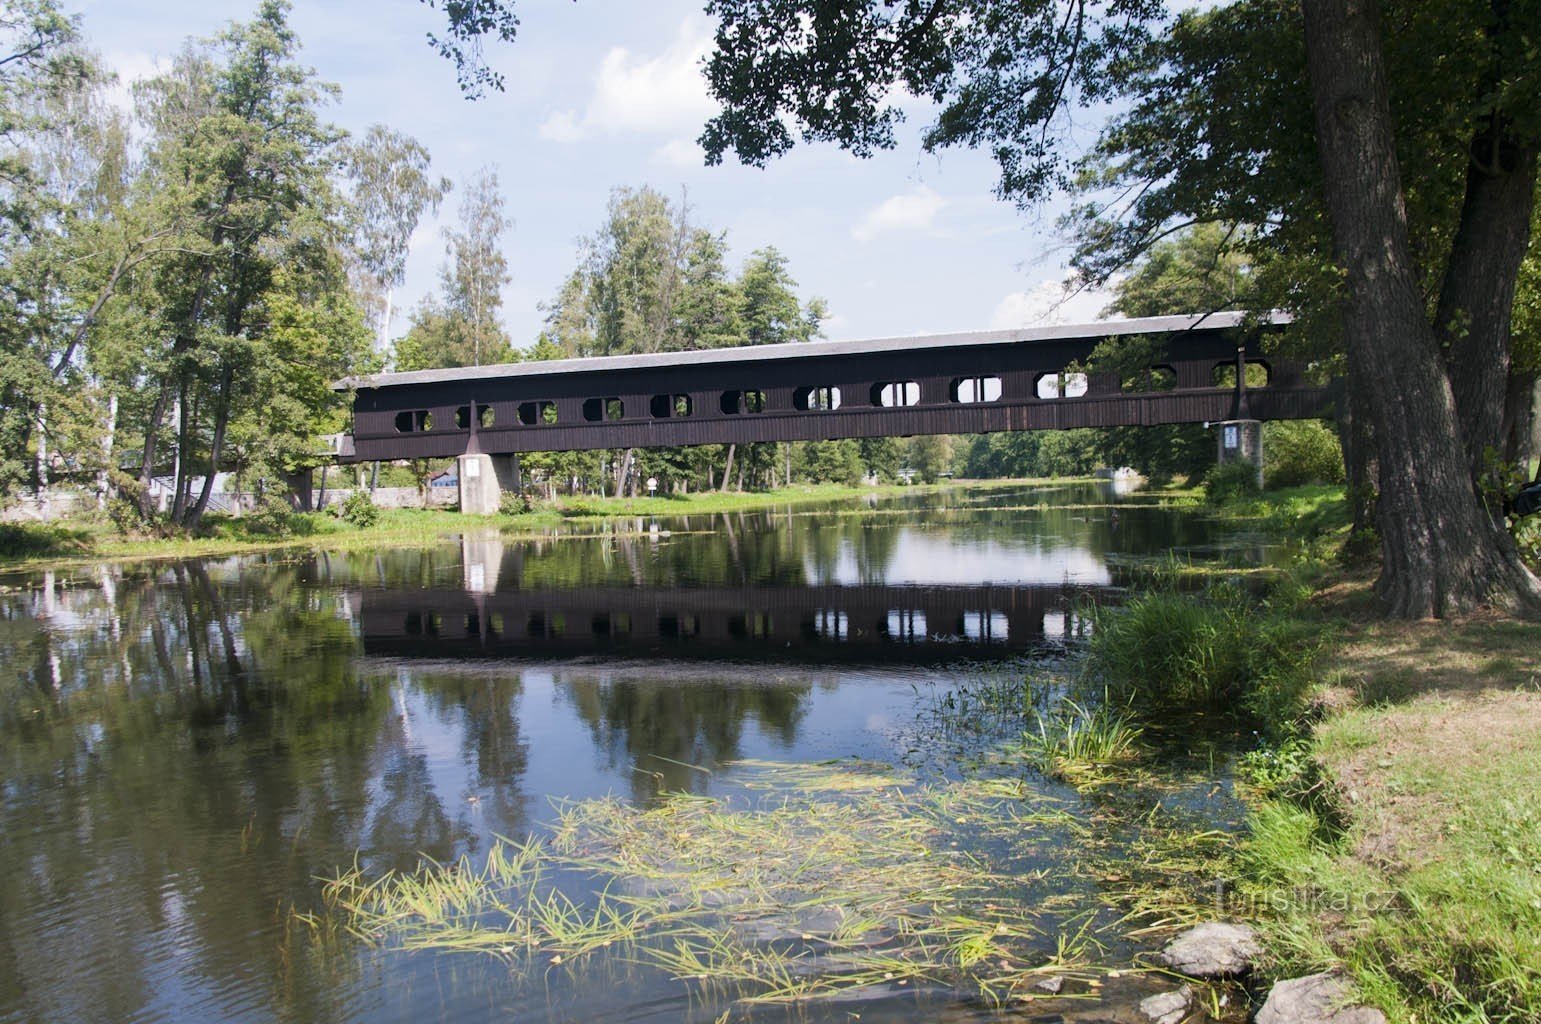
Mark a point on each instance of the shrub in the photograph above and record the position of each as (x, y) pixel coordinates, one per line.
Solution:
(1297, 452)
(359, 509)
(1230, 481)
(1169, 650)
(1079, 743)
(516, 503)
(272, 517)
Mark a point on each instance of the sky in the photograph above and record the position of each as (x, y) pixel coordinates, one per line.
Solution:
(606, 93)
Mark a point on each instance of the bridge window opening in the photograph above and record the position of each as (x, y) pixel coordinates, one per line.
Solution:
(1061, 385)
(535, 413)
(678, 627)
(597, 410)
(816, 399)
(750, 624)
(414, 421)
(473, 625)
(495, 624)
(1224, 374)
(413, 626)
(735, 402)
(969, 390)
(831, 624)
(907, 625)
(893, 394)
(663, 407)
(985, 627)
(485, 417)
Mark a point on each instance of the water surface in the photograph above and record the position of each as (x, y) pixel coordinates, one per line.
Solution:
(187, 748)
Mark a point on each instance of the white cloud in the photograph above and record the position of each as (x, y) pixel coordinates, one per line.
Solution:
(680, 153)
(1050, 302)
(913, 211)
(644, 95)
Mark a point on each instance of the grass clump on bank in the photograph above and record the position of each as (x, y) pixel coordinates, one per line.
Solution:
(1169, 650)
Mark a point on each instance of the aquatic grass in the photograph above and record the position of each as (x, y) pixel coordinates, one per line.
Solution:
(835, 876)
(1084, 744)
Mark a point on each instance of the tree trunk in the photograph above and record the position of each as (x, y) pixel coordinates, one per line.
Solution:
(1361, 473)
(42, 459)
(184, 435)
(216, 449)
(1442, 553)
(147, 461)
(1477, 299)
(727, 471)
(109, 438)
(1521, 423)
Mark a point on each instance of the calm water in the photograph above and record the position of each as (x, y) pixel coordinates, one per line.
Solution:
(186, 747)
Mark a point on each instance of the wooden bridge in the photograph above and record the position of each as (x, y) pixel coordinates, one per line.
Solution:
(940, 384)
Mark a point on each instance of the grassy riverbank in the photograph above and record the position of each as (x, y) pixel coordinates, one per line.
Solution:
(1396, 829)
(57, 545)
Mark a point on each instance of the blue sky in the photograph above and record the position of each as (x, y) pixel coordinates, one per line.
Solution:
(602, 93)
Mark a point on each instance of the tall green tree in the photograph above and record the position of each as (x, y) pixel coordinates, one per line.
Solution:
(237, 146)
(392, 190)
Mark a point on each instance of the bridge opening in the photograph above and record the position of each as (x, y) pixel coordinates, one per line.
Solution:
(893, 394)
(1224, 374)
(414, 421)
(735, 402)
(597, 410)
(485, 417)
(969, 390)
(663, 407)
(533, 414)
(1061, 385)
(678, 627)
(907, 625)
(816, 399)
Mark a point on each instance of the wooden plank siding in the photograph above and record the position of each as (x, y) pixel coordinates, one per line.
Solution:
(387, 408)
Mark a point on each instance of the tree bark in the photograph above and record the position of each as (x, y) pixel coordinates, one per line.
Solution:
(727, 471)
(216, 449)
(147, 461)
(1442, 553)
(1477, 297)
(1521, 445)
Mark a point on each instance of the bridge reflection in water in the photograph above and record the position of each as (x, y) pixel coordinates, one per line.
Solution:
(820, 623)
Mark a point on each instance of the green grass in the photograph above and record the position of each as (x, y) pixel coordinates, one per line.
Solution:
(1167, 650)
(1084, 744)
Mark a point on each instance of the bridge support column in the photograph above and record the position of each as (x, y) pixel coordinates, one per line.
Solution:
(1242, 441)
(510, 477)
(479, 492)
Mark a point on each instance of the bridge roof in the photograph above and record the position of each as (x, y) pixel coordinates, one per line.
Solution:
(815, 349)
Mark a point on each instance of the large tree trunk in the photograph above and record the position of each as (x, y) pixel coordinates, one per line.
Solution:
(1477, 298)
(1521, 444)
(1356, 434)
(216, 450)
(727, 470)
(1442, 553)
(147, 460)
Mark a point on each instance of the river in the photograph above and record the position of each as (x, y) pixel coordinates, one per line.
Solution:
(188, 749)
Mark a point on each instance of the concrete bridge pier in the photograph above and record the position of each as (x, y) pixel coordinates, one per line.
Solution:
(1242, 441)
(480, 494)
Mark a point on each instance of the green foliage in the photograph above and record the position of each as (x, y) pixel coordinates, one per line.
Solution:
(359, 510)
(19, 541)
(1169, 650)
(1082, 743)
(1298, 452)
(1230, 481)
(516, 503)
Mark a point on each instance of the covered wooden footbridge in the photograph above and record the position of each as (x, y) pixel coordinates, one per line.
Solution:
(934, 384)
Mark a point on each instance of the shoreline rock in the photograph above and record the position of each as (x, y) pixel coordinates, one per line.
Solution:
(1212, 950)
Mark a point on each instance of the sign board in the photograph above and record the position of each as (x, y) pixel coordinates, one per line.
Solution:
(473, 468)
(1232, 436)
(652, 484)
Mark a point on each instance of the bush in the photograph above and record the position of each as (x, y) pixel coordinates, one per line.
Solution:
(274, 518)
(359, 509)
(516, 503)
(1297, 452)
(1168, 650)
(1230, 481)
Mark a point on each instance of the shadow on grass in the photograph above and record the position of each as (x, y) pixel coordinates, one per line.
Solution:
(41, 540)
